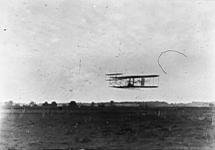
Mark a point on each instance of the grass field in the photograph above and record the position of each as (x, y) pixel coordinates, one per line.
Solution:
(129, 128)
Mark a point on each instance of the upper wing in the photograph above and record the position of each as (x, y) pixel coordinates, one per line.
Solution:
(134, 76)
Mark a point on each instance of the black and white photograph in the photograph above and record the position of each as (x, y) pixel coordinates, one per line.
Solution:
(107, 75)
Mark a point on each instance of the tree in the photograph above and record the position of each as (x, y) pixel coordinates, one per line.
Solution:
(102, 105)
(73, 104)
(9, 104)
(32, 104)
(111, 103)
(54, 104)
(211, 105)
(45, 104)
(92, 104)
(17, 106)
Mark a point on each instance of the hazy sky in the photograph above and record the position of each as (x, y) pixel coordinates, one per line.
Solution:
(61, 49)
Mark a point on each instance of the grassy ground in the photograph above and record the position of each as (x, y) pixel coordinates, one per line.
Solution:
(110, 128)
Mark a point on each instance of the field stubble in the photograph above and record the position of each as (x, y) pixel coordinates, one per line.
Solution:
(110, 128)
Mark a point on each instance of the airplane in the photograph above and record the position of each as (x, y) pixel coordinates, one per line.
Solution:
(119, 80)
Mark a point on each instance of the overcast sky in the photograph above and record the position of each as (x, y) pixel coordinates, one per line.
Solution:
(61, 49)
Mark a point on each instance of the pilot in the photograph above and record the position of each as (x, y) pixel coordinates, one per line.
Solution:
(142, 81)
(130, 84)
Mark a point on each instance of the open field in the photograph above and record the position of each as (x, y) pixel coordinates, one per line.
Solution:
(129, 128)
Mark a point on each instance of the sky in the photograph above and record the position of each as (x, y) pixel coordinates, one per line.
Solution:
(61, 49)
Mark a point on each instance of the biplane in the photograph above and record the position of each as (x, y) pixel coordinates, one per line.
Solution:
(119, 80)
